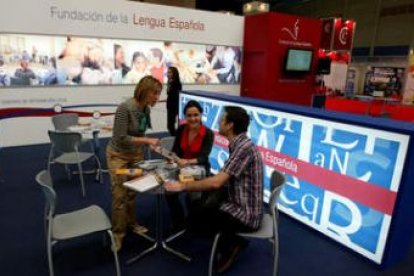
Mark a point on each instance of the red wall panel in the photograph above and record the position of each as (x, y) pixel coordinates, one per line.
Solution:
(266, 42)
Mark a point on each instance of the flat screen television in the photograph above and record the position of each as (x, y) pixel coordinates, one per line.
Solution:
(298, 61)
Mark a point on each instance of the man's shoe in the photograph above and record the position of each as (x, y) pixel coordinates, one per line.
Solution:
(225, 262)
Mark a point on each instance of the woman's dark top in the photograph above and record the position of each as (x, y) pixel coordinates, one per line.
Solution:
(173, 90)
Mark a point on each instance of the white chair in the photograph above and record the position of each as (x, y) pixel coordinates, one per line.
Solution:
(269, 227)
(77, 223)
(64, 121)
(66, 145)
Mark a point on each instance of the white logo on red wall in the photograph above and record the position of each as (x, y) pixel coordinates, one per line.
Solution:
(328, 27)
(327, 33)
(343, 35)
(294, 32)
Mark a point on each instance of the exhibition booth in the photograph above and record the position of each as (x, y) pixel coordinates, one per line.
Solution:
(349, 177)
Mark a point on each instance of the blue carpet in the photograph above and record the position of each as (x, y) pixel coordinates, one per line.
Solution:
(23, 252)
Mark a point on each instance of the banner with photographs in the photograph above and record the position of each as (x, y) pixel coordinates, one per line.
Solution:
(39, 60)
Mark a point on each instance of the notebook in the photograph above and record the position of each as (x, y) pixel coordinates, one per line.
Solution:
(143, 184)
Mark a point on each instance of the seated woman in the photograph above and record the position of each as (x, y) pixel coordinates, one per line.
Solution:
(192, 145)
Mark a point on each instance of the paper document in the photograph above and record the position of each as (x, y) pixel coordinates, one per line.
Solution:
(143, 184)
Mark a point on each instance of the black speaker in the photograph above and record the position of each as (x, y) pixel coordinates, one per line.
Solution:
(324, 66)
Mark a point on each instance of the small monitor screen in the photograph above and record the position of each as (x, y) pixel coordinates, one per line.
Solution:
(298, 60)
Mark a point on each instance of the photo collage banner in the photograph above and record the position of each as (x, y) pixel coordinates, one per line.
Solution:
(39, 60)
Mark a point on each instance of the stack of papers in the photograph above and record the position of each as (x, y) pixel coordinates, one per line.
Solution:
(143, 184)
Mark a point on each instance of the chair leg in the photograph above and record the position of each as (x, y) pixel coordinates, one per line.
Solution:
(68, 172)
(49, 256)
(275, 254)
(99, 170)
(81, 179)
(118, 270)
(212, 255)
(46, 221)
(104, 240)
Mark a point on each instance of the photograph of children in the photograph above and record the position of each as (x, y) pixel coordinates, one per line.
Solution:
(71, 60)
(24, 59)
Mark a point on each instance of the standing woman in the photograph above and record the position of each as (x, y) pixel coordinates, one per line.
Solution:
(126, 148)
(173, 88)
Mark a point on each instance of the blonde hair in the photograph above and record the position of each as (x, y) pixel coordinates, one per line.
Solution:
(145, 86)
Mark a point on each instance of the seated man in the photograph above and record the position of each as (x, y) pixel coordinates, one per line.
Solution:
(242, 211)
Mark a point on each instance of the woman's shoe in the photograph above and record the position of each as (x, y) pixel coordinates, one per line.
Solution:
(139, 229)
(117, 243)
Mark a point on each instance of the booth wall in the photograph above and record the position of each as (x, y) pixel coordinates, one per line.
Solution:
(38, 18)
(347, 176)
(268, 37)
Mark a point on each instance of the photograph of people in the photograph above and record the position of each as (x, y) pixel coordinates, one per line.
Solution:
(170, 58)
(139, 68)
(4, 74)
(50, 75)
(242, 210)
(156, 62)
(193, 144)
(222, 64)
(126, 148)
(71, 58)
(119, 60)
(191, 62)
(24, 73)
(96, 69)
(173, 88)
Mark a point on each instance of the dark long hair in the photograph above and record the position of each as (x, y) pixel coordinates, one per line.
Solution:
(175, 80)
(195, 104)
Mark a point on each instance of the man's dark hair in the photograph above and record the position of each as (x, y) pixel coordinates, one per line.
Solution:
(239, 117)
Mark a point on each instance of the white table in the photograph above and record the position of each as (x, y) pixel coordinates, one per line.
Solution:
(159, 242)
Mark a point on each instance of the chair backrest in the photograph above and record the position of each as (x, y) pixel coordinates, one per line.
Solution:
(276, 182)
(65, 141)
(64, 121)
(167, 142)
(45, 180)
